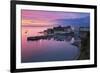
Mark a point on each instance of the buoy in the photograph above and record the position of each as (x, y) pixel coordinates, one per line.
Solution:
(25, 31)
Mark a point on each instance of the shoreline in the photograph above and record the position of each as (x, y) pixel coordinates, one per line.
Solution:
(85, 48)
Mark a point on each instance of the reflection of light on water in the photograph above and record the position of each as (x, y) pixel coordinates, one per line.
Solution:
(72, 40)
(40, 42)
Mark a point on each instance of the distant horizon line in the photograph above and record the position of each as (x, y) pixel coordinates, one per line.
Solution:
(45, 25)
(37, 25)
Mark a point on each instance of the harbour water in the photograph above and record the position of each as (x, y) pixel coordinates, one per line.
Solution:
(45, 49)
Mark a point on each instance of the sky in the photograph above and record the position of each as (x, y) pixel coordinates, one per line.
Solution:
(53, 18)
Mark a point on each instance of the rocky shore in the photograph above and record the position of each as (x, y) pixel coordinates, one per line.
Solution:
(85, 48)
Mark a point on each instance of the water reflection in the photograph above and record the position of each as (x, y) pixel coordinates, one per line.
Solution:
(48, 48)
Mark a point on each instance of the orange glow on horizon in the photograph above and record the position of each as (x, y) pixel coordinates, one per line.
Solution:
(36, 22)
(26, 21)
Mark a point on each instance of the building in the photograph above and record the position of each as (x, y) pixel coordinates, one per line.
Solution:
(84, 32)
(58, 30)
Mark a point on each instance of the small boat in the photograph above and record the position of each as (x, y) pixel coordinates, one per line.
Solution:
(26, 32)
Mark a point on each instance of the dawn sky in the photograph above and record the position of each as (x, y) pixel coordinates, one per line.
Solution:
(49, 18)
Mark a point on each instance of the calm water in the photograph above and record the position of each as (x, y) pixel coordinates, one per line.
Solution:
(45, 50)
